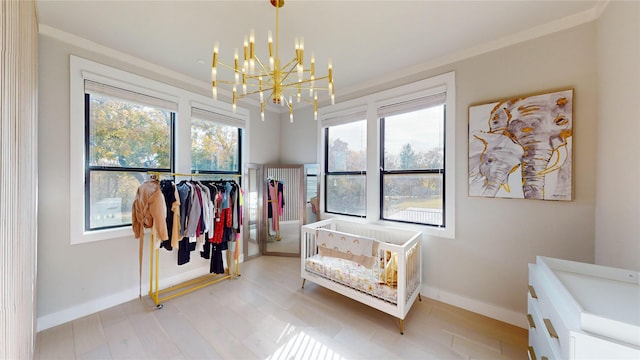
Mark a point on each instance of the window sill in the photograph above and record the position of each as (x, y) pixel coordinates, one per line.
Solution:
(99, 235)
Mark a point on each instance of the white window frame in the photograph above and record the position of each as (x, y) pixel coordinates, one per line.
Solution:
(344, 117)
(430, 86)
(81, 69)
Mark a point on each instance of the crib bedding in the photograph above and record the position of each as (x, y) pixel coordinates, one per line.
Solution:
(353, 275)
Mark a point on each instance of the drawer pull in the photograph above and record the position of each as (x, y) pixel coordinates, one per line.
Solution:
(532, 291)
(532, 324)
(552, 332)
(544, 358)
(532, 354)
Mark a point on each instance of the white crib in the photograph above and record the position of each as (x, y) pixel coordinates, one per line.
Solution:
(376, 265)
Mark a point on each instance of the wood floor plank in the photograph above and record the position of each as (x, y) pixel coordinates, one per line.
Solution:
(89, 338)
(56, 343)
(265, 314)
(156, 342)
(205, 322)
(187, 339)
(123, 341)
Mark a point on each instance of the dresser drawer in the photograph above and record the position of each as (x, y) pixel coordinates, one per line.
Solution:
(569, 301)
(549, 323)
(544, 347)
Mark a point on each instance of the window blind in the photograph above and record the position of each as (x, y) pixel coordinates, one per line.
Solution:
(345, 118)
(216, 117)
(97, 88)
(413, 104)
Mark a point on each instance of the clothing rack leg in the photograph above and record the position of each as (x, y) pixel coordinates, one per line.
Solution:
(157, 275)
(151, 268)
(236, 256)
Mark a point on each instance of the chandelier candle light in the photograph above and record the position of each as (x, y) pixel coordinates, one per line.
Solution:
(256, 77)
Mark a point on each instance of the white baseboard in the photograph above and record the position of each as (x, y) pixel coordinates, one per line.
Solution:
(90, 307)
(479, 307)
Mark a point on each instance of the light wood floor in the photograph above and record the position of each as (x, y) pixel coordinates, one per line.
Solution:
(266, 315)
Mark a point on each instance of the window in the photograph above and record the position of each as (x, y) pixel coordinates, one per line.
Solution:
(215, 143)
(412, 161)
(346, 166)
(405, 139)
(126, 135)
(122, 126)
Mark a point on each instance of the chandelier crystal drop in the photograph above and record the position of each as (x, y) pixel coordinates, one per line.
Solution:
(282, 82)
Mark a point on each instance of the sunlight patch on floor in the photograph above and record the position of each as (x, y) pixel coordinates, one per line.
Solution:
(302, 346)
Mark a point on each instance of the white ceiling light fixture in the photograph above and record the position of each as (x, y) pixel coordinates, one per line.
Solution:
(282, 82)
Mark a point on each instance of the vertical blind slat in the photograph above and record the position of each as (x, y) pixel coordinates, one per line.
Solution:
(18, 178)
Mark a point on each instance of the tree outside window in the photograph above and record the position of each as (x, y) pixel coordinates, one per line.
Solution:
(125, 139)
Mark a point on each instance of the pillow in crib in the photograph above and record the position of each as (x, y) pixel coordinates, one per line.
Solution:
(364, 260)
(358, 249)
(348, 243)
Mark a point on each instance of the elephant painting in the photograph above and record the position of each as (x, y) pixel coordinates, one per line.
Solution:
(538, 130)
(495, 157)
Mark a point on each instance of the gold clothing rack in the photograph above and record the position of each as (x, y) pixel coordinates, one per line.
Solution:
(159, 295)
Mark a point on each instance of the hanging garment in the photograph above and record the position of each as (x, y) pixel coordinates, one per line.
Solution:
(166, 186)
(273, 206)
(193, 218)
(175, 231)
(185, 197)
(281, 198)
(218, 229)
(217, 264)
(213, 252)
(185, 247)
(149, 211)
(240, 205)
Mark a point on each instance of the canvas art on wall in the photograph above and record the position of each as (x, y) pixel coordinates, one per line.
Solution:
(522, 147)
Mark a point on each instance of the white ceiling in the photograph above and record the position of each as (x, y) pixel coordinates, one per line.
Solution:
(363, 38)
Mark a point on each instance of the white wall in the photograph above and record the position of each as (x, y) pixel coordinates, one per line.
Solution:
(299, 143)
(618, 191)
(81, 279)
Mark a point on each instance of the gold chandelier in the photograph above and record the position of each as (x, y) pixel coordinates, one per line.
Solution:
(282, 86)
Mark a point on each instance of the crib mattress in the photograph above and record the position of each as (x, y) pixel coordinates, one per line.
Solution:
(351, 274)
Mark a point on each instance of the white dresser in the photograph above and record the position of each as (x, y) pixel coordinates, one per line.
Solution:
(582, 311)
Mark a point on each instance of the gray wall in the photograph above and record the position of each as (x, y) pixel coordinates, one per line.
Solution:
(299, 140)
(618, 192)
(486, 265)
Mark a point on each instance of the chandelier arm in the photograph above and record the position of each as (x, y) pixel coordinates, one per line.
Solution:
(269, 97)
(265, 71)
(252, 93)
(229, 82)
(305, 99)
(295, 83)
(288, 72)
(293, 62)
(220, 63)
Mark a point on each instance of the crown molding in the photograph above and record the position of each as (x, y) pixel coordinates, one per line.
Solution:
(519, 37)
(56, 34)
